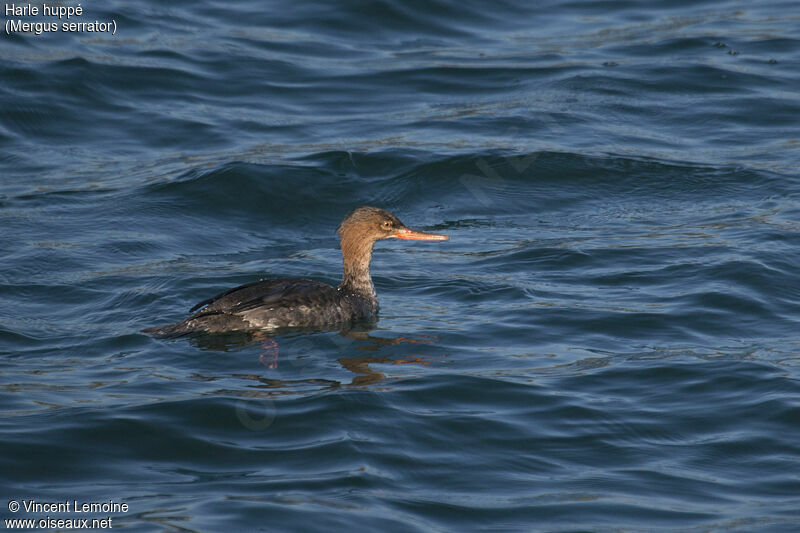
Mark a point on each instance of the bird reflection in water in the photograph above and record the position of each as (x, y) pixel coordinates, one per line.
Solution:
(357, 338)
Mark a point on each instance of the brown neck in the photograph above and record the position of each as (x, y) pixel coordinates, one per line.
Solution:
(356, 255)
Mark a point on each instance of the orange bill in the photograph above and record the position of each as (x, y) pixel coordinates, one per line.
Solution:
(410, 234)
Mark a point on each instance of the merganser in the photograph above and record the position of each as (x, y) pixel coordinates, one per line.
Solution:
(270, 304)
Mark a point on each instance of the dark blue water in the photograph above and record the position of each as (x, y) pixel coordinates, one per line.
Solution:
(610, 341)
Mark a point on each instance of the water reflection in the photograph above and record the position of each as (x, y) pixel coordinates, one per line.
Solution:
(349, 340)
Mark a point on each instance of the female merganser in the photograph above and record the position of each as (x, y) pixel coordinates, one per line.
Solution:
(270, 304)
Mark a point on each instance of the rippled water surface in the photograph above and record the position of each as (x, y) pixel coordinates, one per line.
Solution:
(610, 341)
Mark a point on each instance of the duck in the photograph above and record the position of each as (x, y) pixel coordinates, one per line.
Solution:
(272, 304)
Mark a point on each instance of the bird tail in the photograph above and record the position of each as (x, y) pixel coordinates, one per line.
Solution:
(168, 331)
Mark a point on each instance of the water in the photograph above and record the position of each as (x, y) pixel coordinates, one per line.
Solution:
(609, 342)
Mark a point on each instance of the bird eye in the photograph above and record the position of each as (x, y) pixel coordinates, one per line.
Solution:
(387, 224)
